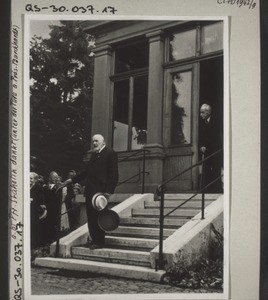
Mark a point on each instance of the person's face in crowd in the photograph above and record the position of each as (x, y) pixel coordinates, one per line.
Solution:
(32, 180)
(71, 174)
(40, 179)
(53, 178)
(98, 142)
(205, 112)
(59, 179)
(76, 191)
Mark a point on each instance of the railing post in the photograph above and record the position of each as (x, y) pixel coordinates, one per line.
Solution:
(58, 237)
(161, 230)
(143, 170)
(58, 225)
(202, 186)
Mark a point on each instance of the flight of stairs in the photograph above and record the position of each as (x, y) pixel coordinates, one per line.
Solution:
(128, 247)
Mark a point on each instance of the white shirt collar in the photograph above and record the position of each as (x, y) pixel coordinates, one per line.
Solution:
(101, 149)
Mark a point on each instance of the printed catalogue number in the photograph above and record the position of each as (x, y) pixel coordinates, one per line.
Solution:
(74, 9)
(18, 247)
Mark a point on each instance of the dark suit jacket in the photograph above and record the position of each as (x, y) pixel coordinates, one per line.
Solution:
(101, 173)
(210, 136)
(37, 194)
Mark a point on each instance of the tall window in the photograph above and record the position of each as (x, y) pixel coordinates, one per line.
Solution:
(186, 48)
(130, 97)
(181, 108)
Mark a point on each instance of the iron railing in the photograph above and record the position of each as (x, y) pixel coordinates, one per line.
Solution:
(160, 192)
(58, 226)
(143, 170)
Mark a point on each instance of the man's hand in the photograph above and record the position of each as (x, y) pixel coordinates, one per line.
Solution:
(107, 195)
(44, 212)
(63, 184)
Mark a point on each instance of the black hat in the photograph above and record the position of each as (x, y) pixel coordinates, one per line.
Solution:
(108, 220)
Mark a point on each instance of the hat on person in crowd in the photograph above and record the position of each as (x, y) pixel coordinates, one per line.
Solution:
(99, 201)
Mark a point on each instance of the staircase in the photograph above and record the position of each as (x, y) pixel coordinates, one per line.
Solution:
(127, 249)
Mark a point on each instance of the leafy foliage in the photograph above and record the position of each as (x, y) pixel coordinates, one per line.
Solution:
(206, 274)
(61, 73)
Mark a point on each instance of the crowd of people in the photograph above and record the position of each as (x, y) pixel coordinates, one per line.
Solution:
(52, 210)
(53, 202)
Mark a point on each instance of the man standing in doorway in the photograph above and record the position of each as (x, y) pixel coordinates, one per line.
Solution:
(210, 140)
(101, 176)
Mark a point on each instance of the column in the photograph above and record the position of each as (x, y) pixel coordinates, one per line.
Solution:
(155, 160)
(155, 87)
(102, 110)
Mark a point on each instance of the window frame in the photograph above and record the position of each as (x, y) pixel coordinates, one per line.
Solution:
(130, 76)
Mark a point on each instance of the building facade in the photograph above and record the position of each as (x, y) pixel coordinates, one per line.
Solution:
(150, 79)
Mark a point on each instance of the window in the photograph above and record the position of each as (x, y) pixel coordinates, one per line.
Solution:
(182, 45)
(181, 108)
(212, 38)
(130, 96)
(121, 108)
(130, 113)
(131, 57)
(193, 42)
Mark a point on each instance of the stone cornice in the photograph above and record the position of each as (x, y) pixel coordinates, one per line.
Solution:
(156, 36)
(103, 50)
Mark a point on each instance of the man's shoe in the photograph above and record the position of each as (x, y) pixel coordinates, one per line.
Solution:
(95, 246)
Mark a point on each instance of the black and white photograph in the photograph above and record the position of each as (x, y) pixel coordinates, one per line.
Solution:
(134, 138)
(126, 137)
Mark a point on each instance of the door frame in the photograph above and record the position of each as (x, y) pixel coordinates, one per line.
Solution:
(183, 150)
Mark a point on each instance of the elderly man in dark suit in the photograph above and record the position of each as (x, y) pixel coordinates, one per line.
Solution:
(101, 176)
(210, 140)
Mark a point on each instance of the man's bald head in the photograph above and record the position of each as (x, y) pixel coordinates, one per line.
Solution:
(205, 111)
(98, 142)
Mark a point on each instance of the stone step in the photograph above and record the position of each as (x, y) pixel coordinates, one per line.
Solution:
(169, 203)
(152, 222)
(140, 232)
(125, 242)
(112, 269)
(120, 256)
(189, 213)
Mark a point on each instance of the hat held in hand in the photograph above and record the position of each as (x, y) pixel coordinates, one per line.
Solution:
(108, 220)
(99, 201)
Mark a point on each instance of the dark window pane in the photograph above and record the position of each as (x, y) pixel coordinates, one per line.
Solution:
(131, 57)
(121, 96)
(140, 103)
(181, 108)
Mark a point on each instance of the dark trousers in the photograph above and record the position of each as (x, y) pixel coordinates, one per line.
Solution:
(211, 171)
(35, 231)
(96, 233)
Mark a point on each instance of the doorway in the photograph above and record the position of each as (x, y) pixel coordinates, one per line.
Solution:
(211, 133)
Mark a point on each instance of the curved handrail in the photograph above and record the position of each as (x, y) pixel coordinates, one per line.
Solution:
(160, 191)
(198, 192)
(143, 171)
(134, 154)
(186, 170)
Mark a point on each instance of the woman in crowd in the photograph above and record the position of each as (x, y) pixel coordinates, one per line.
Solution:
(38, 209)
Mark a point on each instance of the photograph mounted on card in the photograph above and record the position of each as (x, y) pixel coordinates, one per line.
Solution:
(127, 160)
